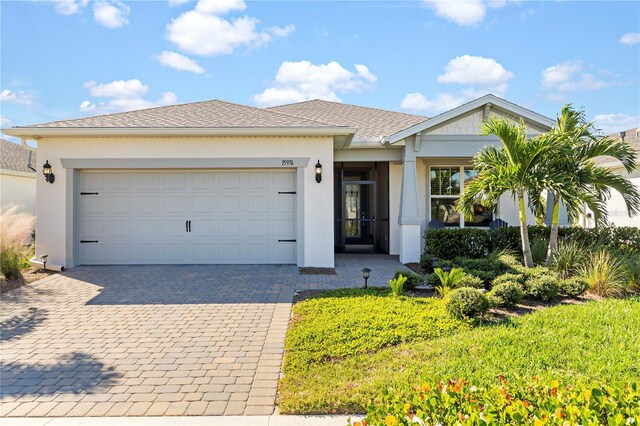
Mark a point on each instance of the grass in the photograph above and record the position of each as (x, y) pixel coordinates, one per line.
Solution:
(591, 341)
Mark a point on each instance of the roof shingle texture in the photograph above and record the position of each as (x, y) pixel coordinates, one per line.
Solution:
(632, 137)
(208, 114)
(15, 157)
(370, 122)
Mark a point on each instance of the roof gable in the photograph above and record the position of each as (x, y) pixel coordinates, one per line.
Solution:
(15, 157)
(503, 107)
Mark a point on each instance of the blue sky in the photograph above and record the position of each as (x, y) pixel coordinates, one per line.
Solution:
(73, 58)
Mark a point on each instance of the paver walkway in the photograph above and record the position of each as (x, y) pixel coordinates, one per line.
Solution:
(166, 340)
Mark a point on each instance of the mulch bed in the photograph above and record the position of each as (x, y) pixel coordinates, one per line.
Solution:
(28, 276)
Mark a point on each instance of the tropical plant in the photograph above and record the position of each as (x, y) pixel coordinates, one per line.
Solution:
(413, 280)
(568, 258)
(15, 233)
(397, 284)
(604, 274)
(448, 280)
(513, 168)
(575, 180)
(539, 250)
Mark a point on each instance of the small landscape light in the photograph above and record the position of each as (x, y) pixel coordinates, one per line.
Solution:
(318, 172)
(47, 170)
(434, 262)
(446, 269)
(44, 259)
(365, 275)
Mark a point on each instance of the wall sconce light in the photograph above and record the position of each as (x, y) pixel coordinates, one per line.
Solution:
(365, 275)
(44, 259)
(318, 172)
(47, 170)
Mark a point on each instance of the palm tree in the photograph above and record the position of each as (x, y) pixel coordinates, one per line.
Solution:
(515, 167)
(579, 180)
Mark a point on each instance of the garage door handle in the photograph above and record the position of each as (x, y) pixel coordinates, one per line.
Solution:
(286, 241)
(88, 241)
(186, 226)
(189, 226)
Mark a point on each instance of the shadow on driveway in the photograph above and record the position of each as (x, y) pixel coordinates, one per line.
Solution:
(25, 323)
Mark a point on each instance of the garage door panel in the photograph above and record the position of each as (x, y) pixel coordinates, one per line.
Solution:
(140, 217)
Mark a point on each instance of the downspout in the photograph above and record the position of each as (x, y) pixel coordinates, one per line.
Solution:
(23, 143)
(29, 162)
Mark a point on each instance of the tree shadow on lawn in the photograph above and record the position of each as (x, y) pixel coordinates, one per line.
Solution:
(21, 324)
(75, 373)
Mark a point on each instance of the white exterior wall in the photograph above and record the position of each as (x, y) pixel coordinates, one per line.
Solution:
(616, 207)
(55, 205)
(18, 188)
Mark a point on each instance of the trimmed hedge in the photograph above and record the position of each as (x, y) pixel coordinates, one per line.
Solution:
(476, 243)
(521, 402)
(467, 303)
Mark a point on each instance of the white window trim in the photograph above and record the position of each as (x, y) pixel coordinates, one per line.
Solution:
(496, 214)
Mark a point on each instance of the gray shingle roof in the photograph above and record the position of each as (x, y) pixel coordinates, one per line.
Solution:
(15, 157)
(632, 137)
(370, 122)
(207, 114)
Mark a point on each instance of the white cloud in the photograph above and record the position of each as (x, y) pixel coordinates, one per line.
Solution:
(468, 69)
(203, 31)
(178, 2)
(466, 13)
(111, 14)
(121, 95)
(179, 62)
(613, 123)
(480, 76)
(569, 77)
(20, 98)
(630, 39)
(5, 121)
(299, 81)
(69, 7)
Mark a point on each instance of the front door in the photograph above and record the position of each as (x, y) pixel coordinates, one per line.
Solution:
(357, 213)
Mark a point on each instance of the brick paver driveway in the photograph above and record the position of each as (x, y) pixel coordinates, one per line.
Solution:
(155, 340)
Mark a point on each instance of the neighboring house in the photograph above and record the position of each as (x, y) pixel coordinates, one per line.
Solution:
(216, 182)
(17, 180)
(616, 206)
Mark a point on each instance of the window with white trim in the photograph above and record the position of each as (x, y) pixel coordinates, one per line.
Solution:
(446, 183)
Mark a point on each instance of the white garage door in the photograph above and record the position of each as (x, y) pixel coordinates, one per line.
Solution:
(187, 217)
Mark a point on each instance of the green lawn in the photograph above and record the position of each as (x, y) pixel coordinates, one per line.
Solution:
(341, 351)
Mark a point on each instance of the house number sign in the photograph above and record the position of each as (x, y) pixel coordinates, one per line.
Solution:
(287, 162)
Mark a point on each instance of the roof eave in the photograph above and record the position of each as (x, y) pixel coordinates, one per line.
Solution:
(39, 132)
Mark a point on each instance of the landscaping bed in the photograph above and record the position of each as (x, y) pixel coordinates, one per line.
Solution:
(29, 275)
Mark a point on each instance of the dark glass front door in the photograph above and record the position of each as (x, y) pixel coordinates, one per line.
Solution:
(358, 217)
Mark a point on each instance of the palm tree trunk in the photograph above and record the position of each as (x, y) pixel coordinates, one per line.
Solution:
(524, 233)
(553, 238)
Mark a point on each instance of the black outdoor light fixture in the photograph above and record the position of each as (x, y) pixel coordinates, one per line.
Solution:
(365, 275)
(44, 259)
(318, 172)
(47, 170)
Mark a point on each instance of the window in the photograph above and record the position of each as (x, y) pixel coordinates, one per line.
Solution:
(446, 183)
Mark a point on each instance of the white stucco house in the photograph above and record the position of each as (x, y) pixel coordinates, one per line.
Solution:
(616, 207)
(17, 180)
(216, 182)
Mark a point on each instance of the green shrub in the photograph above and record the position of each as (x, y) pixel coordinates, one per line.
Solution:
(15, 240)
(11, 263)
(604, 274)
(568, 258)
(517, 402)
(543, 288)
(468, 280)
(631, 266)
(572, 287)
(448, 280)
(467, 303)
(451, 243)
(397, 285)
(508, 277)
(413, 280)
(506, 293)
(539, 248)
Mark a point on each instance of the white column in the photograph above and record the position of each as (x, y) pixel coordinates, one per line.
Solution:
(409, 219)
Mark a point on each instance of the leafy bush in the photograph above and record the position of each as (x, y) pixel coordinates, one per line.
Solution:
(539, 248)
(487, 268)
(452, 243)
(14, 241)
(397, 285)
(521, 402)
(448, 280)
(468, 280)
(508, 277)
(467, 303)
(506, 293)
(604, 274)
(568, 258)
(542, 288)
(572, 287)
(631, 266)
(412, 280)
